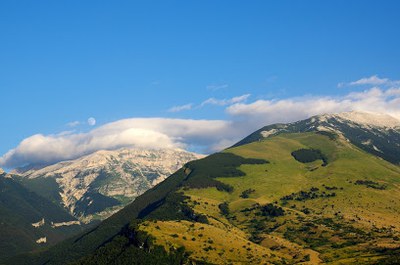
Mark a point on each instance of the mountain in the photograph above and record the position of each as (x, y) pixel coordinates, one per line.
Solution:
(98, 185)
(300, 194)
(378, 134)
(29, 222)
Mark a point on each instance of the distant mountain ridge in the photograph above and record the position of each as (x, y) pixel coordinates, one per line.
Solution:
(376, 133)
(99, 184)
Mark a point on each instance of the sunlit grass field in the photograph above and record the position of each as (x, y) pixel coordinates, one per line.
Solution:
(343, 228)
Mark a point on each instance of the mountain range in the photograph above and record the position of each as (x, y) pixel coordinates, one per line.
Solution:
(99, 184)
(40, 206)
(321, 190)
(376, 133)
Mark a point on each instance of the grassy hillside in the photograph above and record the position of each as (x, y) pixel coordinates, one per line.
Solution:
(376, 140)
(19, 209)
(330, 209)
(260, 203)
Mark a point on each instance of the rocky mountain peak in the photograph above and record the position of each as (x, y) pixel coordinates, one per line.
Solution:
(364, 119)
(375, 133)
(104, 181)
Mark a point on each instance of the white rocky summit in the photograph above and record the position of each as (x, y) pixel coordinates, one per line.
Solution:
(366, 118)
(121, 174)
(359, 119)
(376, 133)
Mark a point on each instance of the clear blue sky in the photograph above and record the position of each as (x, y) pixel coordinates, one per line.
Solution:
(65, 61)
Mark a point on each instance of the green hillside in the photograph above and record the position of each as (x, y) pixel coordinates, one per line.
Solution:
(346, 209)
(19, 210)
(377, 140)
(291, 198)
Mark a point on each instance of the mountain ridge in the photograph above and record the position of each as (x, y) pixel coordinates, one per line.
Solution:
(101, 183)
(367, 118)
(378, 134)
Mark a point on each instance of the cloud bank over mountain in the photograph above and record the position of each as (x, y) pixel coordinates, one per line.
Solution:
(202, 135)
(138, 132)
(287, 110)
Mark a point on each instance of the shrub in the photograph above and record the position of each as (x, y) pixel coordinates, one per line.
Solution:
(224, 208)
(309, 155)
(370, 184)
(272, 210)
(245, 194)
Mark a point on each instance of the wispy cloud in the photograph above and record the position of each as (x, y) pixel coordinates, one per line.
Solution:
(215, 87)
(210, 101)
(373, 80)
(90, 121)
(73, 124)
(181, 108)
(224, 102)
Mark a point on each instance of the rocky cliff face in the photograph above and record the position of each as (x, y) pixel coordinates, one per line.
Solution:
(97, 185)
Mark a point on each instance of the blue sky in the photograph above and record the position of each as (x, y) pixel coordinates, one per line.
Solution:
(62, 62)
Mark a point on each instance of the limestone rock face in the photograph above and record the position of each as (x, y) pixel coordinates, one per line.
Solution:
(101, 183)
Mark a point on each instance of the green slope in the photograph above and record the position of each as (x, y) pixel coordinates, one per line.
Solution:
(379, 141)
(258, 203)
(336, 199)
(19, 209)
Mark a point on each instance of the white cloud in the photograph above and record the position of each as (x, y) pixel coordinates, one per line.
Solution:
(73, 123)
(239, 99)
(205, 135)
(293, 109)
(91, 121)
(373, 80)
(224, 102)
(181, 108)
(210, 101)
